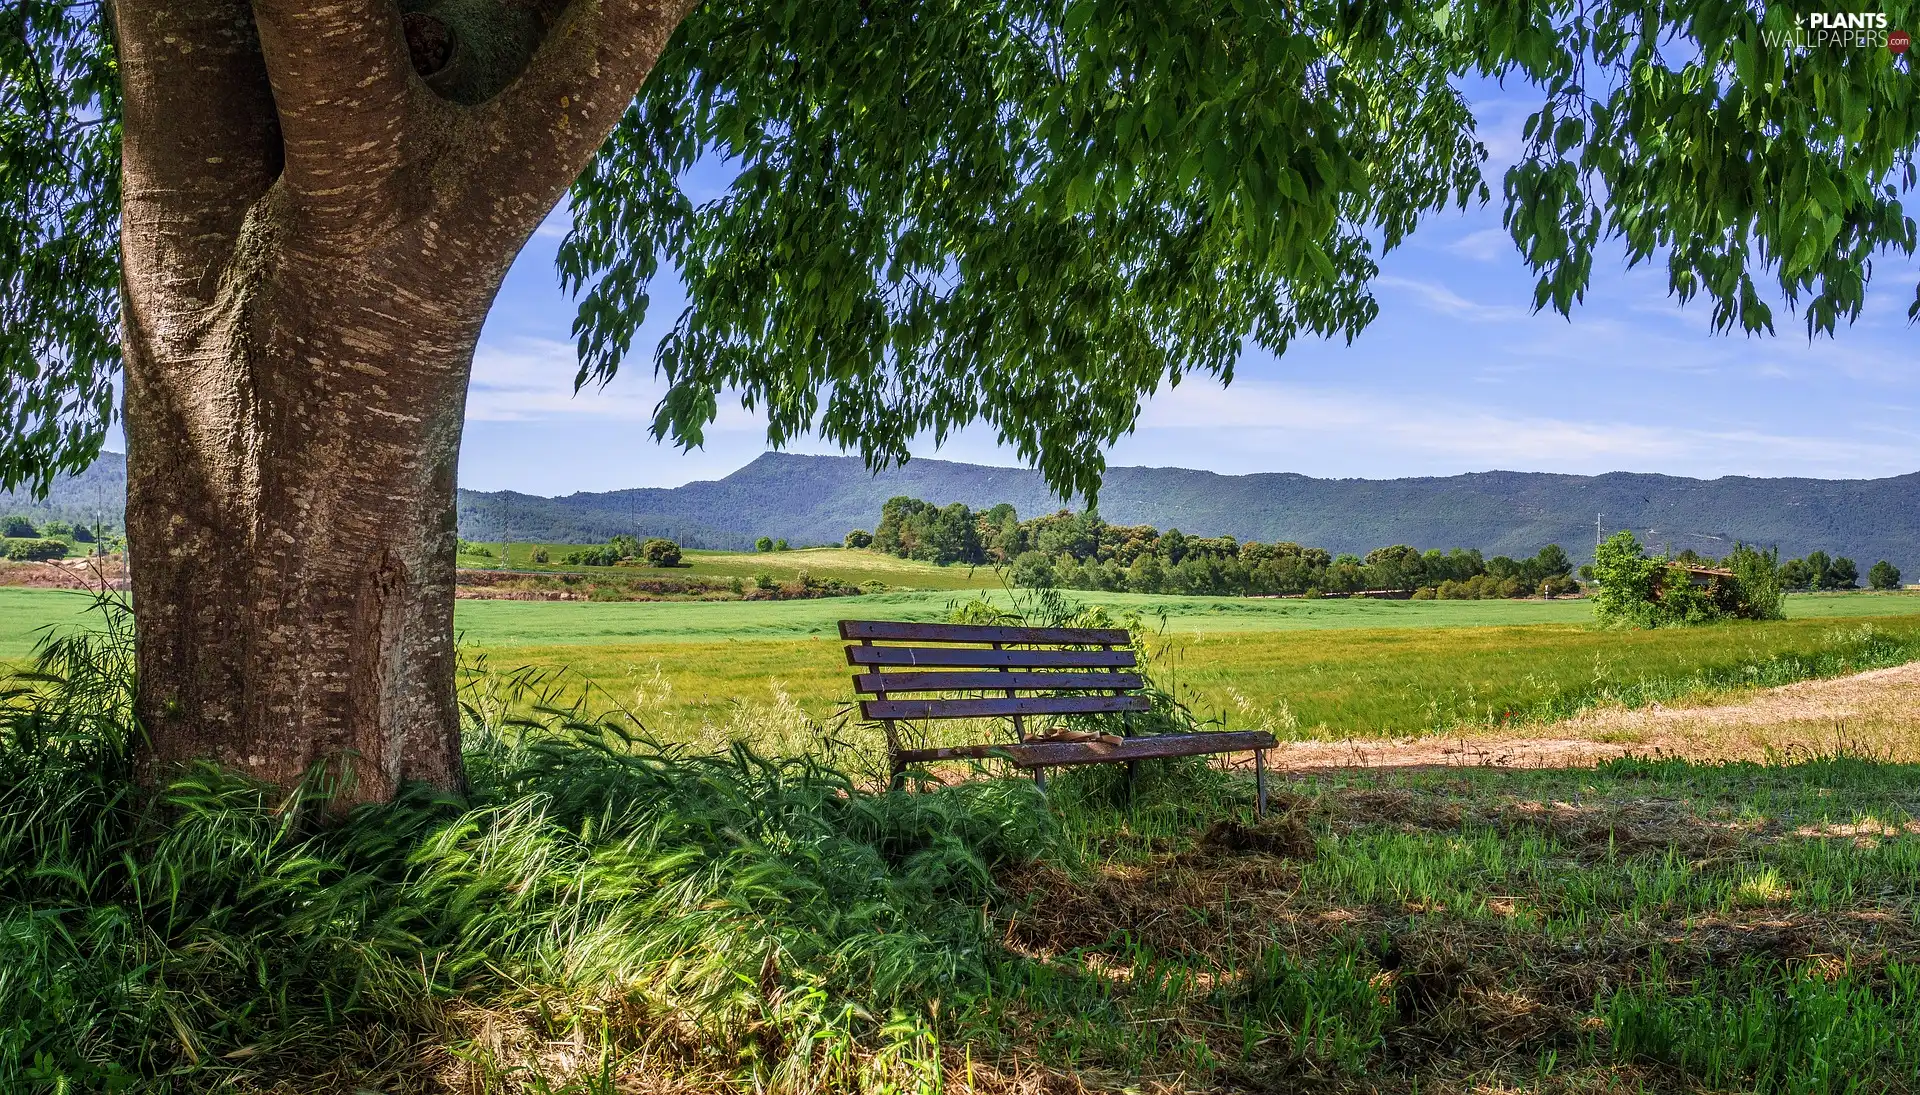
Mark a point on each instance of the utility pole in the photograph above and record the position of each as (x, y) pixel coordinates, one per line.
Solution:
(506, 533)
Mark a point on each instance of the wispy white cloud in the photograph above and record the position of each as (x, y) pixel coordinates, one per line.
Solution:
(1439, 298)
(1448, 435)
(1484, 245)
(526, 379)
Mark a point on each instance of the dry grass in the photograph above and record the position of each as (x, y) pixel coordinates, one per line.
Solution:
(1876, 713)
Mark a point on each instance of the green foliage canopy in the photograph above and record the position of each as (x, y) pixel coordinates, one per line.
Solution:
(1629, 581)
(1638, 590)
(1883, 575)
(59, 238)
(1037, 213)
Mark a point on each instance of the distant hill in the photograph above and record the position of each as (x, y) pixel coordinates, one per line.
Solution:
(816, 499)
(98, 494)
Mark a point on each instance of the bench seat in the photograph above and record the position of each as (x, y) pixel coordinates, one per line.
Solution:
(1033, 672)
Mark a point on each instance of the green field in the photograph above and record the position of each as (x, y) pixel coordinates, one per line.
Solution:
(1647, 925)
(850, 567)
(768, 670)
(493, 624)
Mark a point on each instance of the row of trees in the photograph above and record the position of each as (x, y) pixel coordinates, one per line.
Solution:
(22, 541)
(16, 527)
(1082, 551)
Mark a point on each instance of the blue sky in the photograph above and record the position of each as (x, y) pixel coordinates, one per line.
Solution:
(1456, 375)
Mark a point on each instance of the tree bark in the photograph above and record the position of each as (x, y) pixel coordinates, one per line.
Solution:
(291, 515)
(312, 237)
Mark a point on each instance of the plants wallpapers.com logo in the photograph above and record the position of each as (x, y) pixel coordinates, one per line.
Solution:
(1839, 30)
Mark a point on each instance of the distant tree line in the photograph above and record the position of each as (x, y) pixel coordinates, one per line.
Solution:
(22, 541)
(1082, 551)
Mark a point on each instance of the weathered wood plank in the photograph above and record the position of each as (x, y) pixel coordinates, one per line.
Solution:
(886, 630)
(1001, 706)
(988, 680)
(976, 657)
(1047, 754)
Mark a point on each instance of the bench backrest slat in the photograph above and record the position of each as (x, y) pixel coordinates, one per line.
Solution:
(1000, 707)
(990, 659)
(995, 681)
(887, 631)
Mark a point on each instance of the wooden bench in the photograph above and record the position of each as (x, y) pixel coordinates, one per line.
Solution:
(1024, 674)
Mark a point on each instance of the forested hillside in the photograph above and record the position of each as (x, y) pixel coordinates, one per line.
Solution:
(817, 499)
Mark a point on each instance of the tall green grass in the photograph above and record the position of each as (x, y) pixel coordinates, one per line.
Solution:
(768, 913)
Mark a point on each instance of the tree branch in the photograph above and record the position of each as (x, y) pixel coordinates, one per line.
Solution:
(343, 84)
(201, 141)
(532, 140)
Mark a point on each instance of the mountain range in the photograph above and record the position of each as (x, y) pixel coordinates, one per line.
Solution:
(816, 499)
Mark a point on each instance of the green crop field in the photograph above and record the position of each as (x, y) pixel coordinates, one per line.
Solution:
(770, 670)
(851, 567)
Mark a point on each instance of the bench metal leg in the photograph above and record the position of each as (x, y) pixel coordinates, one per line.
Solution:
(1260, 783)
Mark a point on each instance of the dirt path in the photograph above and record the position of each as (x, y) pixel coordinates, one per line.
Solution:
(1873, 714)
(86, 573)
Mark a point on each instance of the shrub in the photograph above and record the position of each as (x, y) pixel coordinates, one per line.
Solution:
(540, 555)
(1033, 570)
(602, 556)
(764, 543)
(859, 538)
(1883, 575)
(660, 552)
(873, 585)
(34, 551)
(624, 546)
(780, 545)
(15, 527)
(82, 534)
(1559, 585)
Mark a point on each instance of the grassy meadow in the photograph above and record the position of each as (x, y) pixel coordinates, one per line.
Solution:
(601, 915)
(769, 672)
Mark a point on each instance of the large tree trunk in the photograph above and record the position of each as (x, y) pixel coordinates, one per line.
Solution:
(290, 506)
(314, 229)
